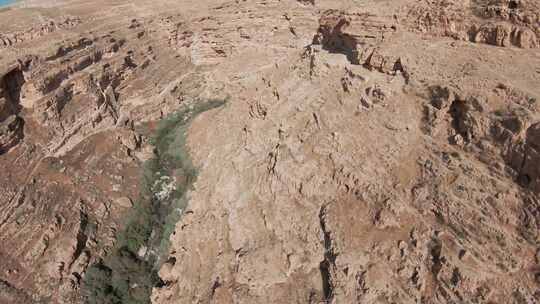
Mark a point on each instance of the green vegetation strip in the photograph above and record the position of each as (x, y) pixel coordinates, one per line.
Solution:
(129, 272)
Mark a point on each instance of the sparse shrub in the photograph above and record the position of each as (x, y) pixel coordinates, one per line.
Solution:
(123, 276)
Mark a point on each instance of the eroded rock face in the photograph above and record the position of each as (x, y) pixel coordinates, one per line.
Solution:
(10, 132)
(384, 151)
(506, 35)
(359, 36)
(11, 125)
(524, 156)
(501, 23)
(8, 39)
(70, 148)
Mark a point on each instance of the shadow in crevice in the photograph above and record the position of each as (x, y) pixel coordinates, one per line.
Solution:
(11, 84)
(11, 124)
(332, 38)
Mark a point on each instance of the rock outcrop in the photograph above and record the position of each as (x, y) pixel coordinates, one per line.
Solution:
(501, 23)
(11, 38)
(360, 37)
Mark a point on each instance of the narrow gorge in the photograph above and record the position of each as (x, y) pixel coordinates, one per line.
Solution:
(129, 270)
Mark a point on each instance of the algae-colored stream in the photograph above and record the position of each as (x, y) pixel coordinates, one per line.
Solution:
(129, 272)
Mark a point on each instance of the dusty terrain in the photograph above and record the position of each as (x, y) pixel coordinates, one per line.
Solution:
(367, 152)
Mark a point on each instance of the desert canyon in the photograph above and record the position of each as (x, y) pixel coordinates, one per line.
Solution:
(270, 151)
